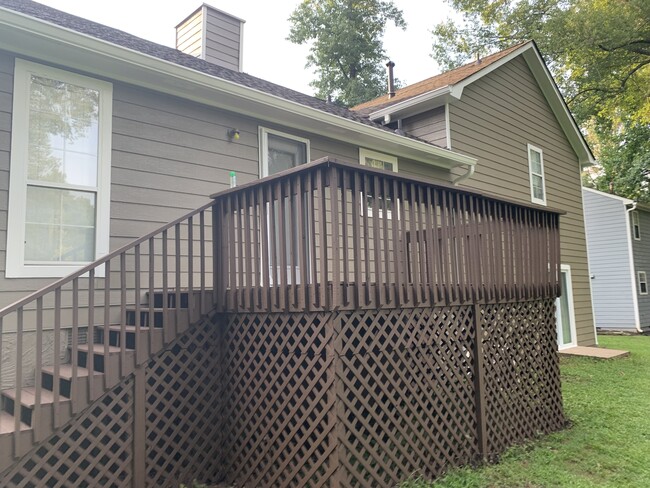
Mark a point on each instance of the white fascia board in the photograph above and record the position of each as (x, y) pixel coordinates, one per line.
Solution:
(413, 106)
(626, 201)
(559, 107)
(51, 43)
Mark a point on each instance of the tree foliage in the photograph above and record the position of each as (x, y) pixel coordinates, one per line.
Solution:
(346, 47)
(598, 52)
(624, 164)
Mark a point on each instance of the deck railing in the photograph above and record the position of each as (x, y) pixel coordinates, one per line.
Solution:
(175, 257)
(333, 235)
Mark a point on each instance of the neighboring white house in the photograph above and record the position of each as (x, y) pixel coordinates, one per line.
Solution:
(618, 244)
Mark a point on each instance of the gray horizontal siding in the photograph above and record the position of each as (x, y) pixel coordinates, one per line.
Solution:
(641, 252)
(223, 39)
(494, 121)
(609, 261)
(168, 156)
(430, 126)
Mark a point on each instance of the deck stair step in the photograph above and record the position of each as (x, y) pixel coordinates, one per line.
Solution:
(163, 318)
(159, 297)
(175, 317)
(28, 401)
(99, 361)
(65, 377)
(7, 423)
(115, 335)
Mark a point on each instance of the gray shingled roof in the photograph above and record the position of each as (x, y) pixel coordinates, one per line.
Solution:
(121, 38)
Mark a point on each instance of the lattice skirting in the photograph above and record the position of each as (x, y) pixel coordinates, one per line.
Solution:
(368, 398)
(364, 398)
(177, 438)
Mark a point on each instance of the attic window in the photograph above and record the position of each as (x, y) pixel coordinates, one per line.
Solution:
(636, 226)
(537, 180)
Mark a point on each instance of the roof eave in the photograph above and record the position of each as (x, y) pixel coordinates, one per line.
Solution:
(540, 71)
(40, 40)
(415, 105)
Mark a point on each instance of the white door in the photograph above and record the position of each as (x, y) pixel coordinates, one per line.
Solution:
(566, 323)
(279, 152)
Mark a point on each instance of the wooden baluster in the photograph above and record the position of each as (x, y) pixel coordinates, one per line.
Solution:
(203, 304)
(191, 309)
(256, 277)
(358, 204)
(56, 393)
(90, 357)
(108, 379)
(18, 383)
(37, 416)
(324, 269)
(335, 246)
(74, 387)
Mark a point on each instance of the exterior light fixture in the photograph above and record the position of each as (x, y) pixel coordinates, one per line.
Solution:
(233, 134)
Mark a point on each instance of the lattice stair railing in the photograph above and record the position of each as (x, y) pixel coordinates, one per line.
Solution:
(112, 315)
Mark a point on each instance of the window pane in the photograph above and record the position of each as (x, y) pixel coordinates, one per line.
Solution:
(378, 163)
(538, 187)
(285, 153)
(63, 132)
(535, 162)
(60, 225)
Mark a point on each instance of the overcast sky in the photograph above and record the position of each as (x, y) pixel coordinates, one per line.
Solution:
(267, 53)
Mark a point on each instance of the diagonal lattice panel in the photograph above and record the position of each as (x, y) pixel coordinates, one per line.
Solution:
(183, 396)
(95, 449)
(522, 377)
(408, 393)
(278, 415)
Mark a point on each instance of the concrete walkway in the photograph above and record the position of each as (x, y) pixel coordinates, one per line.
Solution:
(594, 352)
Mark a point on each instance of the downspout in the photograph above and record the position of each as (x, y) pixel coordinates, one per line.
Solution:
(635, 299)
(463, 177)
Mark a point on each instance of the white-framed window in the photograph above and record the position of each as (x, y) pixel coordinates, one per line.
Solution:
(280, 151)
(59, 183)
(636, 226)
(378, 160)
(643, 283)
(536, 170)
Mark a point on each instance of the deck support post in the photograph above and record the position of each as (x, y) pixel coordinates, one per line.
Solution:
(139, 427)
(479, 385)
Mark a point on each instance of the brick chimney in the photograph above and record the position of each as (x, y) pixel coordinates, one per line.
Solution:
(213, 35)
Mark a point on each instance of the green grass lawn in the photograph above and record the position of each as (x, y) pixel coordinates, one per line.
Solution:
(608, 443)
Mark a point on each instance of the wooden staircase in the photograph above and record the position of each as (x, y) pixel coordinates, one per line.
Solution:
(94, 368)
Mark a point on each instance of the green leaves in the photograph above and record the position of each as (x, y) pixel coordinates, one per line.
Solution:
(598, 52)
(346, 45)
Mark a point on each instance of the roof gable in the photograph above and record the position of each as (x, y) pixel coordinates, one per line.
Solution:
(447, 78)
(448, 87)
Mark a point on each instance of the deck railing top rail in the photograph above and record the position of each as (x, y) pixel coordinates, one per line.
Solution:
(405, 178)
(329, 234)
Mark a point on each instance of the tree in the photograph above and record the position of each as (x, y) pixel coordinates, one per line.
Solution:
(597, 50)
(346, 45)
(624, 164)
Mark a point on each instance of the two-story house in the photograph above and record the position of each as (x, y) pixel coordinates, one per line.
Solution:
(505, 110)
(290, 330)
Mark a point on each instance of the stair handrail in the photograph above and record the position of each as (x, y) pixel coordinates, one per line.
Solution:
(98, 262)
